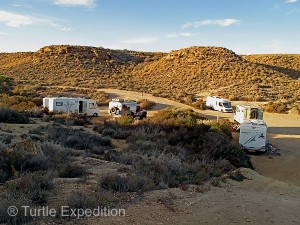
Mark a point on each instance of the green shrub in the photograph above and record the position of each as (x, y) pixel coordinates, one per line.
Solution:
(12, 116)
(176, 117)
(146, 104)
(35, 186)
(72, 170)
(72, 138)
(124, 120)
(200, 104)
(17, 161)
(128, 183)
(18, 201)
(223, 125)
(275, 107)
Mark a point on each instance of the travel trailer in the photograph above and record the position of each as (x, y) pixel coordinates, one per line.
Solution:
(253, 135)
(126, 107)
(219, 104)
(72, 105)
(247, 112)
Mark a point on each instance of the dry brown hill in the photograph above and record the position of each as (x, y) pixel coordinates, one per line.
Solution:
(284, 63)
(71, 65)
(178, 74)
(218, 70)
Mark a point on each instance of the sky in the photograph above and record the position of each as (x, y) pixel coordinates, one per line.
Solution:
(243, 26)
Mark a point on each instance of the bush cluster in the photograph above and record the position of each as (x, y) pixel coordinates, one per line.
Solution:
(72, 138)
(174, 148)
(275, 107)
(12, 116)
(146, 104)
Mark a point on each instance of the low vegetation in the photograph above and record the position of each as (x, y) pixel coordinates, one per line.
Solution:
(275, 107)
(12, 116)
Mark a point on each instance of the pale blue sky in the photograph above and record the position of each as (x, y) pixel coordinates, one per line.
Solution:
(244, 26)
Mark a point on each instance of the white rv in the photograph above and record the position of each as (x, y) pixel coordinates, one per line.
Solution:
(253, 135)
(247, 112)
(121, 104)
(126, 107)
(219, 104)
(72, 105)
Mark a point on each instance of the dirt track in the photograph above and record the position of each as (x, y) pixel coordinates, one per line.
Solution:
(283, 131)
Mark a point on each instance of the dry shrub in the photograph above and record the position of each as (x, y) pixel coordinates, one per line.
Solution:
(275, 107)
(12, 116)
(146, 104)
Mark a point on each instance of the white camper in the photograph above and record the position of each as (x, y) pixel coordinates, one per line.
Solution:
(247, 112)
(72, 105)
(219, 104)
(119, 104)
(126, 107)
(253, 135)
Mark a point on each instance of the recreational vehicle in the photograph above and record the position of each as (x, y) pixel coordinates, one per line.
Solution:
(219, 104)
(126, 107)
(253, 135)
(72, 105)
(247, 112)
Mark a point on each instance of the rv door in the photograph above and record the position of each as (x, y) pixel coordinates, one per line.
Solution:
(82, 106)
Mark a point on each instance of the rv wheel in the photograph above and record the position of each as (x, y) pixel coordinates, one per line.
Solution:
(113, 109)
(95, 114)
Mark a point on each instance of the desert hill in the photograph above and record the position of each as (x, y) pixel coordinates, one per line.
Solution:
(180, 74)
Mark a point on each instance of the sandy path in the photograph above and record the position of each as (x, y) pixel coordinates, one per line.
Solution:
(284, 132)
(257, 200)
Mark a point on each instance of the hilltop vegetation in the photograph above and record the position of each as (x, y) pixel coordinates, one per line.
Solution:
(182, 74)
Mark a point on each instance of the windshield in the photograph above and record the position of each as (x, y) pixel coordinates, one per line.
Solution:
(227, 104)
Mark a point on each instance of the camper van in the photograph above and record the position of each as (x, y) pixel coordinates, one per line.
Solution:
(219, 104)
(247, 112)
(253, 135)
(120, 107)
(72, 105)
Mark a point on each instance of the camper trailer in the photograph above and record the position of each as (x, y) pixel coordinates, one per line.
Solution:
(219, 104)
(72, 105)
(126, 107)
(247, 112)
(253, 135)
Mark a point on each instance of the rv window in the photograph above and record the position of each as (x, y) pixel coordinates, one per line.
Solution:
(254, 114)
(227, 104)
(220, 104)
(91, 105)
(59, 103)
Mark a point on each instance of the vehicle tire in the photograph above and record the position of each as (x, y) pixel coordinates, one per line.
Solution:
(113, 109)
(95, 114)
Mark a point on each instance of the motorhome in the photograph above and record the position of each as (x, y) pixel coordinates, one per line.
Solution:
(253, 135)
(72, 105)
(247, 112)
(126, 107)
(219, 104)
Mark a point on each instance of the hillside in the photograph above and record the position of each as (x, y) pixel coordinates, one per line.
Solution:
(284, 63)
(180, 74)
(71, 65)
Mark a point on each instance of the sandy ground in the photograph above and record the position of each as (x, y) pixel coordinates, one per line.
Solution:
(257, 200)
(283, 131)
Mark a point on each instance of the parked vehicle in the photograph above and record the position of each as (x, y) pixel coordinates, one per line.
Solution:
(247, 112)
(253, 135)
(72, 105)
(219, 104)
(126, 107)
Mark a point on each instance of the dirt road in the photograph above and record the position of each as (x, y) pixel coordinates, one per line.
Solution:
(283, 131)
